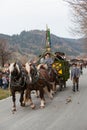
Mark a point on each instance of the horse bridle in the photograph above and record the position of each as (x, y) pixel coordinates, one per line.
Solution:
(34, 74)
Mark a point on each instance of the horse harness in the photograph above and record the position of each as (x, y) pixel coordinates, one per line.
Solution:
(36, 76)
(18, 79)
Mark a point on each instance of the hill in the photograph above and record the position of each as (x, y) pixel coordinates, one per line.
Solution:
(33, 42)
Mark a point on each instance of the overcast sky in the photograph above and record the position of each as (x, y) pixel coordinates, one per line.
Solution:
(19, 15)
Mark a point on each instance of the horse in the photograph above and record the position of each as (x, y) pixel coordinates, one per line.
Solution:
(37, 81)
(50, 75)
(17, 82)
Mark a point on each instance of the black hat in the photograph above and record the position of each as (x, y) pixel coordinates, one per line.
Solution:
(47, 53)
(59, 53)
(74, 64)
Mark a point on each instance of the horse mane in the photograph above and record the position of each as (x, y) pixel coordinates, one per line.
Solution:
(27, 67)
(42, 66)
(12, 65)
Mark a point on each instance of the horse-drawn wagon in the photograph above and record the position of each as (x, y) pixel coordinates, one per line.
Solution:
(60, 63)
(62, 68)
(35, 77)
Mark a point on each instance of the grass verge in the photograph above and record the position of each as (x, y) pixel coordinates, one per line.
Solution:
(4, 93)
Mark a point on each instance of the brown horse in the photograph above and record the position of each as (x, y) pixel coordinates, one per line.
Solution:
(17, 81)
(37, 81)
(50, 75)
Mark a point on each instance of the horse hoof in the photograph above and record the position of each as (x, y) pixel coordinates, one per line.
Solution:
(51, 97)
(55, 92)
(13, 109)
(23, 104)
(44, 102)
(37, 96)
(33, 106)
(42, 107)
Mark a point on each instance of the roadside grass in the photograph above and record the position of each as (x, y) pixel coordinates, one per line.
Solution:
(4, 93)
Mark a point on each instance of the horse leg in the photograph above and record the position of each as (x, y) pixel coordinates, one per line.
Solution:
(28, 98)
(42, 98)
(22, 102)
(49, 89)
(54, 87)
(37, 93)
(13, 99)
(53, 91)
(48, 93)
(32, 105)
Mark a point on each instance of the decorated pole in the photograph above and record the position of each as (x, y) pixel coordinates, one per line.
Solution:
(48, 39)
(48, 44)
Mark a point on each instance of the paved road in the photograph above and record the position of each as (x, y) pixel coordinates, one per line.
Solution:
(57, 115)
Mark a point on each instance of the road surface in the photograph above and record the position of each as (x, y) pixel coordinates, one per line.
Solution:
(57, 115)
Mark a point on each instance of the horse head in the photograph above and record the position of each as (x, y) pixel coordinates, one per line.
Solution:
(31, 71)
(14, 70)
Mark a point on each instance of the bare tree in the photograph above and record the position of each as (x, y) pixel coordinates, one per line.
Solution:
(79, 19)
(5, 53)
(79, 11)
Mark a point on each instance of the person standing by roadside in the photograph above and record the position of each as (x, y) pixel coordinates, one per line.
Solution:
(75, 74)
(0, 79)
(4, 82)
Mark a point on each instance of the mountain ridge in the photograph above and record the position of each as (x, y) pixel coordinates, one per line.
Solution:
(33, 42)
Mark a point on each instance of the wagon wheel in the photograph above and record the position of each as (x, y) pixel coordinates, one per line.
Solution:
(60, 87)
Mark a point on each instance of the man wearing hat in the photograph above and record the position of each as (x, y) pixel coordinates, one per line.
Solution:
(75, 74)
(59, 55)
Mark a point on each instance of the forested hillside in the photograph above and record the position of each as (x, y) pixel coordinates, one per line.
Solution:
(33, 42)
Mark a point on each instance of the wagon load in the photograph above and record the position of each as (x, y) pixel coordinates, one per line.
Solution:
(62, 68)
